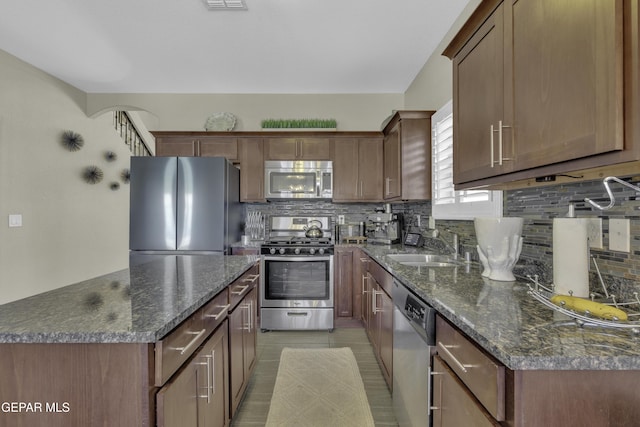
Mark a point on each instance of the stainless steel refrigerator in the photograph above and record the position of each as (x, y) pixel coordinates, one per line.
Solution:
(184, 205)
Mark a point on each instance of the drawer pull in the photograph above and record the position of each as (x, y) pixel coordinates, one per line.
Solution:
(244, 289)
(208, 387)
(293, 313)
(223, 310)
(453, 358)
(251, 278)
(195, 339)
(374, 302)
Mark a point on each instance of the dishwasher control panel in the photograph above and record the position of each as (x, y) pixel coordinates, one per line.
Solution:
(421, 314)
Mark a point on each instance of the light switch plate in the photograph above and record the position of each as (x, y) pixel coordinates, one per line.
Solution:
(15, 220)
(620, 235)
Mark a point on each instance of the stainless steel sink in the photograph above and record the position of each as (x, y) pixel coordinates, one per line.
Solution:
(424, 260)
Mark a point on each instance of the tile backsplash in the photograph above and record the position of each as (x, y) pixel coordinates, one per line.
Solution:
(538, 206)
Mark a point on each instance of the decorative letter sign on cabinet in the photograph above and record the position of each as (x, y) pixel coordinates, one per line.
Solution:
(543, 87)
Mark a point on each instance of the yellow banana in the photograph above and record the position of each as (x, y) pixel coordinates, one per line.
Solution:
(582, 306)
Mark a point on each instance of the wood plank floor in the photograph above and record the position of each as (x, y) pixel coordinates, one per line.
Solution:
(254, 408)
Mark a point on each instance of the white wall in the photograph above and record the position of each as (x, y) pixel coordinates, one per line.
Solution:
(189, 112)
(71, 230)
(433, 86)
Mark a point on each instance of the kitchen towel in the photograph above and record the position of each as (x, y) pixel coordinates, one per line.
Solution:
(570, 257)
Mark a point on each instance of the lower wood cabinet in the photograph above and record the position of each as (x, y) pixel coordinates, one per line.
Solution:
(343, 282)
(453, 404)
(379, 325)
(198, 394)
(242, 344)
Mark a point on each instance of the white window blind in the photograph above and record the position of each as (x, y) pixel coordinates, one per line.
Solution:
(446, 202)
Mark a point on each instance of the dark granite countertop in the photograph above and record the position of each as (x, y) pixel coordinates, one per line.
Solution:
(510, 324)
(140, 304)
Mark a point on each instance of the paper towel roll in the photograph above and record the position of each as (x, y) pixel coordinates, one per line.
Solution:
(570, 257)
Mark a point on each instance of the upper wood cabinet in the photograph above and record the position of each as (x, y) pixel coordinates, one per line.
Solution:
(297, 148)
(357, 169)
(196, 144)
(542, 87)
(251, 169)
(407, 156)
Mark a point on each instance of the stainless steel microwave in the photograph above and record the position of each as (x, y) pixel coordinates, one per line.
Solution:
(293, 179)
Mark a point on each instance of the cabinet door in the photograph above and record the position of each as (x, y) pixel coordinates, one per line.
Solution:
(170, 147)
(251, 169)
(453, 404)
(369, 169)
(281, 149)
(219, 147)
(365, 303)
(392, 179)
(314, 149)
(371, 327)
(236, 356)
(213, 381)
(242, 346)
(386, 337)
(478, 104)
(567, 61)
(343, 278)
(176, 402)
(346, 181)
(297, 148)
(250, 334)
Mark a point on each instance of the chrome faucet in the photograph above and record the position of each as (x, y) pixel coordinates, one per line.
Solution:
(453, 247)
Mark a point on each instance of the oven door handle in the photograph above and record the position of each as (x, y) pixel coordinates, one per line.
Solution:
(298, 258)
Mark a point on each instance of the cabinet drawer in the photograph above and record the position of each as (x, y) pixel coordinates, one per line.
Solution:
(479, 371)
(175, 348)
(242, 286)
(215, 311)
(384, 279)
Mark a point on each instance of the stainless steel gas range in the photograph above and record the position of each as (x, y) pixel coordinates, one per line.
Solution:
(296, 284)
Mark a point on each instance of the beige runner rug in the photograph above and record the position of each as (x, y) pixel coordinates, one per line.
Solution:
(319, 387)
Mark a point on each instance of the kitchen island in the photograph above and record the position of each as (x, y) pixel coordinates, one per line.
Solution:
(90, 353)
(554, 372)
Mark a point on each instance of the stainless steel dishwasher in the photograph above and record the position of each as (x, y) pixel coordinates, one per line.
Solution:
(413, 345)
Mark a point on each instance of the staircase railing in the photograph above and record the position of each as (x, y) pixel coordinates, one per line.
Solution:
(128, 132)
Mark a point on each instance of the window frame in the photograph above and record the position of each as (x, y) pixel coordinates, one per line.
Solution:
(458, 209)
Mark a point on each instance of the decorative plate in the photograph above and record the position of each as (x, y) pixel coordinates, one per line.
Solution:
(220, 122)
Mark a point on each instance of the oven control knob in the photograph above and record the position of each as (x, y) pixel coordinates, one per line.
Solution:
(296, 251)
(321, 250)
(281, 251)
(272, 251)
(312, 251)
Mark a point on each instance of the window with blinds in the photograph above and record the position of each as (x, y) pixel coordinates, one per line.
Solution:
(446, 202)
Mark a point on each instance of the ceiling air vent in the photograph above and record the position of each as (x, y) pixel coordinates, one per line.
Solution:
(225, 4)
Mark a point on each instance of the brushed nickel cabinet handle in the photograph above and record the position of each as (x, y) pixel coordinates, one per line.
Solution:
(223, 310)
(244, 289)
(251, 278)
(462, 366)
(491, 149)
(194, 340)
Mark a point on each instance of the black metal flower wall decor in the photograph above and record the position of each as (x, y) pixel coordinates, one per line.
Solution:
(92, 174)
(125, 175)
(110, 156)
(72, 141)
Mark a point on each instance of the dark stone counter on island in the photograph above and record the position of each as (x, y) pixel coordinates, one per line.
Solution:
(140, 304)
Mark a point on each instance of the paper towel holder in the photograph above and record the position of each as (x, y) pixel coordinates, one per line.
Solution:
(612, 199)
